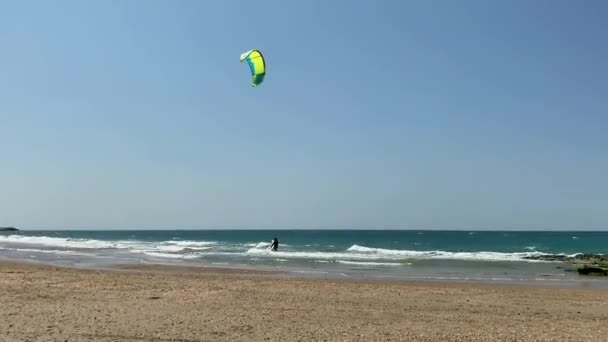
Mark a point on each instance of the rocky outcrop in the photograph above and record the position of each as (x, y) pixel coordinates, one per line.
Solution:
(576, 258)
(8, 229)
(584, 264)
(593, 270)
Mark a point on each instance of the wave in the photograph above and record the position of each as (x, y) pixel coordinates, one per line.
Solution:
(187, 243)
(174, 249)
(368, 263)
(48, 251)
(471, 256)
(171, 255)
(362, 253)
(59, 242)
(264, 252)
(181, 246)
(264, 244)
(183, 249)
(576, 257)
(179, 249)
(135, 245)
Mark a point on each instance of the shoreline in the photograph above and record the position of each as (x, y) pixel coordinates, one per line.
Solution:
(579, 282)
(168, 303)
(402, 255)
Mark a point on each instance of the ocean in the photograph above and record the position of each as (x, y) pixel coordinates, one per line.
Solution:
(497, 256)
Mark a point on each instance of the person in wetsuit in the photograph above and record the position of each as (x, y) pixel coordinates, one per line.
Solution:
(275, 244)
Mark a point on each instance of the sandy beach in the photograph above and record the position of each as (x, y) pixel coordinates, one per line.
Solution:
(160, 303)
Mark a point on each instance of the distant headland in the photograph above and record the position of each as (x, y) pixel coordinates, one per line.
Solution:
(8, 229)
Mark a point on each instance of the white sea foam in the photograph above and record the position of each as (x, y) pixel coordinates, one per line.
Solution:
(187, 243)
(362, 253)
(48, 251)
(472, 256)
(171, 255)
(184, 249)
(58, 242)
(385, 252)
(368, 263)
(298, 255)
(177, 249)
(170, 248)
(262, 245)
(132, 245)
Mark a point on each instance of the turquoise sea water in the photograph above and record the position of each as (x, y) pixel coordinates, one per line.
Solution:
(456, 255)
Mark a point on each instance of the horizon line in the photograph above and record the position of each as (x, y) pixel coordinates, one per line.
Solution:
(327, 229)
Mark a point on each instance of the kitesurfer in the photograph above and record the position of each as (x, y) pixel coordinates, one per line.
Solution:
(274, 245)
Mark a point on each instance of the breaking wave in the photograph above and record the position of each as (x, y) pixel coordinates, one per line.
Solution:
(362, 253)
(58, 242)
(192, 249)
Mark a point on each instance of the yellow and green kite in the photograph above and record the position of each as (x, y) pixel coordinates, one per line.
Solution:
(256, 62)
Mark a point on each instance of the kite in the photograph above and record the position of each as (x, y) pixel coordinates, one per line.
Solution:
(256, 62)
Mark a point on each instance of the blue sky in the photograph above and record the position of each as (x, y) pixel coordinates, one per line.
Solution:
(374, 114)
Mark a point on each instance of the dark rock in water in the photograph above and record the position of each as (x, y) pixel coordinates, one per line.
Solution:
(587, 270)
(8, 229)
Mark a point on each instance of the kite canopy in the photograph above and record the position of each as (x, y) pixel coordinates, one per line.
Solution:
(256, 64)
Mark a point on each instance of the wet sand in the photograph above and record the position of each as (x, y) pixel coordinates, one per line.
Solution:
(161, 303)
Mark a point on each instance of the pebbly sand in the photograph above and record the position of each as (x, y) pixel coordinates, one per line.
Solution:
(161, 303)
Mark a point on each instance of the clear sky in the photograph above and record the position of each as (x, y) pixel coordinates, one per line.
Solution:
(374, 114)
